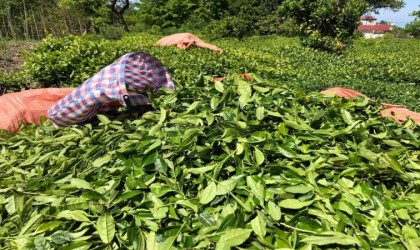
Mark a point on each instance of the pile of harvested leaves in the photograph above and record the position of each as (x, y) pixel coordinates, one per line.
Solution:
(222, 165)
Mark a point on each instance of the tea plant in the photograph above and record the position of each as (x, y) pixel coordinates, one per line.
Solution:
(386, 70)
(232, 164)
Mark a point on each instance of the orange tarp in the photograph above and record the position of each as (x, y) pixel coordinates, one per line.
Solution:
(397, 112)
(244, 75)
(400, 114)
(342, 92)
(28, 106)
(186, 41)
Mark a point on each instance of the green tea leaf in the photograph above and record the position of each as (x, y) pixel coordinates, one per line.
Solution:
(188, 204)
(256, 187)
(167, 244)
(104, 120)
(78, 245)
(226, 186)
(219, 86)
(259, 156)
(373, 229)
(258, 225)
(162, 117)
(151, 241)
(274, 211)
(234, 237)
(77, 215)
(260, 113)
(61, 237)
(398, 204)
(30, 223)
(214, 102)
(79, 183)
(208, 194)
(299, 189)
(294, 203)
(328, 238)
(99, 162)
(346, 116)
(106, 228)
(48, 226)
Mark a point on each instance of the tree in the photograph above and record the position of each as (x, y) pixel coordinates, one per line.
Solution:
(231, 18)
(331, 24)
(375, 5)
(118, 7)
(169, 13)
(94, 13)
(414, 26)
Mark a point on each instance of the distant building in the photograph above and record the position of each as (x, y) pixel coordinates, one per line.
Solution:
(368, 20)
(371, 29)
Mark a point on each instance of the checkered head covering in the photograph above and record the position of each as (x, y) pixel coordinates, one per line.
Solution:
(127, 81)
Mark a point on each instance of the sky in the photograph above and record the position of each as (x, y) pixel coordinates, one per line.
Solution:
(402, 17)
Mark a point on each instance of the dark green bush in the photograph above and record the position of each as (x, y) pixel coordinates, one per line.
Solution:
(327, 25)
(68, 61)
(17, 81)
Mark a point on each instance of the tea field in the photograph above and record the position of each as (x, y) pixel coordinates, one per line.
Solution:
(387, 70)
(236, 164)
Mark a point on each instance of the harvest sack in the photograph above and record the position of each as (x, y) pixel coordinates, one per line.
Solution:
(343, 92)
(244, 75)
(28, 106)
(400, 114)
(186, 41)
(397, 112)
(126, 82)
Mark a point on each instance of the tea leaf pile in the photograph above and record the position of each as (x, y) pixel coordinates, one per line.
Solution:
(226, 165)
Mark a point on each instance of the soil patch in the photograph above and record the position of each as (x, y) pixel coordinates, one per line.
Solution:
(11, 57)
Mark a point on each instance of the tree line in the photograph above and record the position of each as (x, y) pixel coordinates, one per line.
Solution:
(35, 19)
(333, 21)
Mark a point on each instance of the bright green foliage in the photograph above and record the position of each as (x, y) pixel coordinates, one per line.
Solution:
(217, 18)
(386, 69)
(70, 59)
(96, 13)
(221, 18)
(414, 26)
(35, 19)
(217, 165)
(328, 24)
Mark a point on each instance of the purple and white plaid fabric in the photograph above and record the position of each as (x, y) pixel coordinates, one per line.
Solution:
(137, 71)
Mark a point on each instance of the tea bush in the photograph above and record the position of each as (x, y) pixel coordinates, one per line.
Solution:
(232, 164)
(384, 69)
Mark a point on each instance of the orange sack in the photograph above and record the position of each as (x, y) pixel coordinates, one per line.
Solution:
(400, 114)
(397, 112)
(342, 92)
(244, 75)
(28, 106)
(186, 41)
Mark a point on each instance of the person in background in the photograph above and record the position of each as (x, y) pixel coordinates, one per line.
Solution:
(125, 82)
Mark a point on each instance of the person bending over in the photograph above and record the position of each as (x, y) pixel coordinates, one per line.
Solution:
(125, 82)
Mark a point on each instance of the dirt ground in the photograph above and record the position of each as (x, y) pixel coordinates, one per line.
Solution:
(11, 57)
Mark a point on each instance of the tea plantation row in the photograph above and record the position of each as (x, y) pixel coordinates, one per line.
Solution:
(384, 69)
